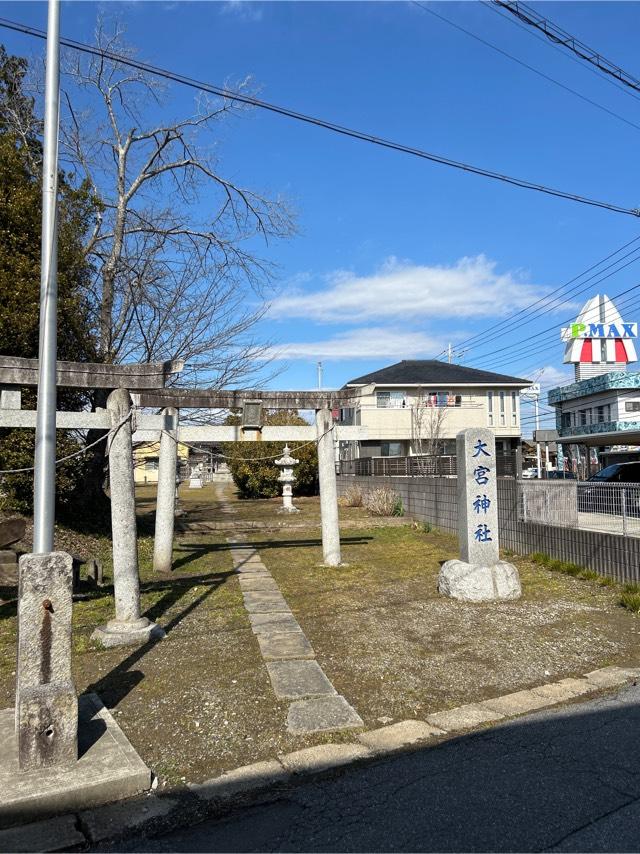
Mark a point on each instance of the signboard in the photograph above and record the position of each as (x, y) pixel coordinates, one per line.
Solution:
(532, 392)
(599, 335)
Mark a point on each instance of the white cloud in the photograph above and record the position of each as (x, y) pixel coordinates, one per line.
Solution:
(245, 10)
(552, 377)
(366, 343)
(400, 290)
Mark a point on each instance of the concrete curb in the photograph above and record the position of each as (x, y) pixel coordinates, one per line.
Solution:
(153, 815)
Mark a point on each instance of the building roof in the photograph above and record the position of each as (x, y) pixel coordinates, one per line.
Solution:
(435, 373)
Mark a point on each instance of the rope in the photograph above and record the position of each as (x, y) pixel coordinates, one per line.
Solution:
(76, 453)
(166, 433)
(250, 459)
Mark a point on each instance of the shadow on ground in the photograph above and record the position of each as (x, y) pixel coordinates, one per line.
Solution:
(561, 780)
(114, 686)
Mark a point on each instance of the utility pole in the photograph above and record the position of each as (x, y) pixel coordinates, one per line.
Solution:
(319, 375)
(538, 454)
(449, 353)
(45, 454)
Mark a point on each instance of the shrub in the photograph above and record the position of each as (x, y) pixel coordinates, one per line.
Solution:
(423, 527)
(352, 497)
(630, 598)
(256, 477)
(383, 502)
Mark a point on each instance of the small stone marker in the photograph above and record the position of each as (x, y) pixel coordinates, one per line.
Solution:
(287, 479)
(479, 575)
(195, 483)
(46, 701)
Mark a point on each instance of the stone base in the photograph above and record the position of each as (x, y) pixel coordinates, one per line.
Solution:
(288, 510)
(473, 583)
(108, 769)
(116, 633)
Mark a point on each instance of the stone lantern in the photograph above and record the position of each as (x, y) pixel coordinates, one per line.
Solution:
(287, 477)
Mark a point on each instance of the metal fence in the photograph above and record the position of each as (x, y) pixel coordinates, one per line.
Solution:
(596, 541)
(589, 505)
(423, 465)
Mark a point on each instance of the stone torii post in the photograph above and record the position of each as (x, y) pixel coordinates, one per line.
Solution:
(129, 626)
(166, 494)
(328, 488)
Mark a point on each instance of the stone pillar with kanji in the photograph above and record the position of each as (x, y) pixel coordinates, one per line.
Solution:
(479, 575)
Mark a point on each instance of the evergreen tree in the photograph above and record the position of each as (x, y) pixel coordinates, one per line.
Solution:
(20, 231)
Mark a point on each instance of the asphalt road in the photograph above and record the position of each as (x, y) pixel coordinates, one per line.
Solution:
(562, 780)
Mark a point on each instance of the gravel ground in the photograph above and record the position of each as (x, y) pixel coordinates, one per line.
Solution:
(200, 701)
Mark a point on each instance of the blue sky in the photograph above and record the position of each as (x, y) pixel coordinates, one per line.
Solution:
(396, 256)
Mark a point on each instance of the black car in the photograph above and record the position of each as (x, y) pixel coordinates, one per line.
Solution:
(612, 498)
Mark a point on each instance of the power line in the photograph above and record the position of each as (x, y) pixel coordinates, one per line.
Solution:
(561, 37)
(568, 320)
(323, 123)
(553, 307)
(503, 325)
(488, 4)
(526, 65)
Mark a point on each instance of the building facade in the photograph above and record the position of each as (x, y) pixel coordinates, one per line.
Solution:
(599, 413)
(146, 457)
(419, 406)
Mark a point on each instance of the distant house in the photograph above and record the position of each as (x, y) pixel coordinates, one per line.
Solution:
(418, 407)
(146, 457)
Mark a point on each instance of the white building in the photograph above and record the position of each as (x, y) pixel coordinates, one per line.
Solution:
(419, 406)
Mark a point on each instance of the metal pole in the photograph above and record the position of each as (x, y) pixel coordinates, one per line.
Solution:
(45, 471)
(538, 454)
(319, 375)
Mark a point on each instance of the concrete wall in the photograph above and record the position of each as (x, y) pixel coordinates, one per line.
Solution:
(433, 500)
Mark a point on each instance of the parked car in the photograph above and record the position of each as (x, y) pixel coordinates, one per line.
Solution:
(601, 493)
(554, 474)
(530, 472)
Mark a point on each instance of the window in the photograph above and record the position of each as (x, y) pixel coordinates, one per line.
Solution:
(390, 449)
(490, 407)
(631, 406)
(502, 409)
(582, 415)
(458, 400)
(514, 408)
(390, 399)
(566, 420)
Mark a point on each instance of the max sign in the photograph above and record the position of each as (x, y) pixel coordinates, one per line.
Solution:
(600, 336)
(600, 330)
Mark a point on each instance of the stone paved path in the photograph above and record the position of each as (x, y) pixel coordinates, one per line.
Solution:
(290, 660)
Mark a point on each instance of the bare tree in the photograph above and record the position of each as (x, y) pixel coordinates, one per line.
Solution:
(174, 250)
(428, 419)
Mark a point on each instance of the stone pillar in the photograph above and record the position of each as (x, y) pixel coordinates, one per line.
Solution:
(46, 701)
(129, 627)
(166, 494)
(479, 575)
(328, 489)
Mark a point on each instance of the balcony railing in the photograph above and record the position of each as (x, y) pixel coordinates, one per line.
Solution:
(423, 465)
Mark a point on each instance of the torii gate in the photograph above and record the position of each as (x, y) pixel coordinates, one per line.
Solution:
(143, 386)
